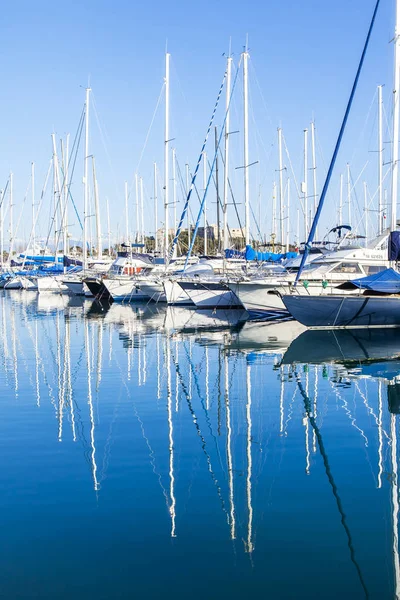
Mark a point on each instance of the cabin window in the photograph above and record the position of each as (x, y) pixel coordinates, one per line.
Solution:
(347, 268)
(373, 269)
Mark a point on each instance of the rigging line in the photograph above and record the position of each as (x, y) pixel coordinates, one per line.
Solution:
(233, 200)
(104, 143)
(198, 165)
(4, 195)
(199, 433)
(311, 234)
(355, 194)
(76, 143)
(299, 196)
(208, 421)
(148, 133)
(222, 133)
(364, 125)
(313, 423)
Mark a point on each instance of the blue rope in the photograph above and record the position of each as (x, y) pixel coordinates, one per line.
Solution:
(171, 252)
(335, 153)
(211, 173)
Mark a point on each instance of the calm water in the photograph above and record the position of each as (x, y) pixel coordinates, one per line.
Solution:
(149, 453)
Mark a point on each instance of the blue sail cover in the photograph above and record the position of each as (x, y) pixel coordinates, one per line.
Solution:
(251, 254)
(394, 245)
(387, 282)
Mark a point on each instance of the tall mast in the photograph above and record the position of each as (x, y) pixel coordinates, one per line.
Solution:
(380, 160)
(141, 212)
(86, 179)
(314, 170)
(396, 108)
(57, 195)
(97, 210)
(305, 186)
(349, 193)
(188, 212)
(281, 199)
(11, 235)
(66, 194)
(127, 215)
(226, 149)
(246, 143)
(217, 189)
(274, 210)
(341, 200)
(174, 191)
(166, 157)
(137, 207)
(108, 227)
(155, 205)
(205, 205)
(366, 212)
(288, 216)
(33, 206)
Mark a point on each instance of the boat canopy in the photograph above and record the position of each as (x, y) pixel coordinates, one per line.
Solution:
(252, 254)
(384, 282)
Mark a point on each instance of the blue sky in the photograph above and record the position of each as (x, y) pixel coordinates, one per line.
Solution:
(303, 58)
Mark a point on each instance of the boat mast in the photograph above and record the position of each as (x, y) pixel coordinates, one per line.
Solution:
(366, 212)
(314, 170)
(127, 215)
(341, 200)
(305, 186)
(226, 149)
(137, 206)
(205, 205)
(166, 158)
(281, 194)
(57, 196)
(66, 194)
(33, 206)
(155, 205)
(273, 234)
(349, 193)
(174, 199)
(97, 209)
(188, 212)
(288, 216)
(380, 160)
(108, 227)
(11, 225)
(86, 180)
(396, 108)
(246, 143)
(141, 212)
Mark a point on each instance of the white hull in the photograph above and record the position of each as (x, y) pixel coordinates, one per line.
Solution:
(51, 283)
(211, 295)
(74, 287)
(174, 294)
(154, 290)
(123, 290)
(260, 297)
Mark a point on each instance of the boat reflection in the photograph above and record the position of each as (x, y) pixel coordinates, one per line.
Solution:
(205, 408)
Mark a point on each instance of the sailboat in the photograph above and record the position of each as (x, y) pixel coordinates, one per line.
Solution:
(355, 309)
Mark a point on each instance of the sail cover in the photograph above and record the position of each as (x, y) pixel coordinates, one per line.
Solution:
(384, 282)
(251, 254)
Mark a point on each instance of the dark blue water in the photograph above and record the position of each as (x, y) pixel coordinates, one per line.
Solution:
(153, 453)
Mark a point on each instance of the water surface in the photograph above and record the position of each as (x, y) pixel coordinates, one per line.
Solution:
(150, 452)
